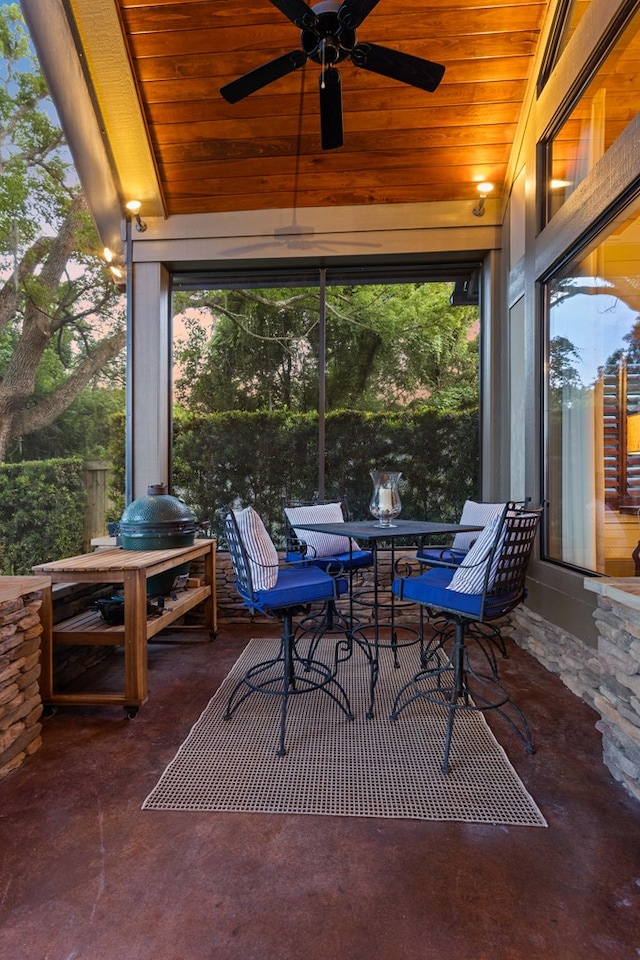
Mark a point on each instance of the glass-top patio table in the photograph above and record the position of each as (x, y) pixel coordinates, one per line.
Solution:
(369, 636)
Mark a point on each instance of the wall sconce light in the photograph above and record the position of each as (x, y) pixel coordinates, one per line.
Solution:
(133, 206)
(483, 189)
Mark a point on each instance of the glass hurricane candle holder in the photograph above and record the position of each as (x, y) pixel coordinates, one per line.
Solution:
(385, 503)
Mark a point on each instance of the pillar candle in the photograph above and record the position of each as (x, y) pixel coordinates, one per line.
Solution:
(384, 499)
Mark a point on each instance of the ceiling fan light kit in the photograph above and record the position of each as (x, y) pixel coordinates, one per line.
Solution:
(328, 37)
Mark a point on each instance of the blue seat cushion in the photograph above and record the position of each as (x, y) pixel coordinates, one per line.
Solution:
(298, 585)
(431, 589)
(335, 564)
(445, 556)
(346, 561)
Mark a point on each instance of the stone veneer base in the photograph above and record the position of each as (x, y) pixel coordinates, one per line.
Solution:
(607, 678)
(20, 701)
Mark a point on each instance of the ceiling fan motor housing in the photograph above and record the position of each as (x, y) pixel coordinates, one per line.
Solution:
(327, 37)
(329, 41)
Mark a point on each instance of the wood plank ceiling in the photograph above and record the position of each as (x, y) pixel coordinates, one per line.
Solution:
(401, 144)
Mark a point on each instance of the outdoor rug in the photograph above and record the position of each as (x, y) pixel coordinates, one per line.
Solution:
(340, 767)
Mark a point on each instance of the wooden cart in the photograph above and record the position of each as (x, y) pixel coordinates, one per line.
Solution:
(129, 569)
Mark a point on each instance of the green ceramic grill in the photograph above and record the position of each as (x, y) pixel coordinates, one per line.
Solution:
(158, 522)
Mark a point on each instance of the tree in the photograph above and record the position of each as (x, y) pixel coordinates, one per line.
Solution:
(388, 347)
(61, 316)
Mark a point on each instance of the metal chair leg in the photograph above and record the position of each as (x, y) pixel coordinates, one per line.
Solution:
(278, 678)
(448, 680)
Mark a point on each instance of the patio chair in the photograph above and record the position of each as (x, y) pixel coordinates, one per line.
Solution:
(265, 586)
(487, 584)
(325, 551)
(333, 554)
(474, 513)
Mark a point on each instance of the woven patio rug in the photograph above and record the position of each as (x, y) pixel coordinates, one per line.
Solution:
(340, 767)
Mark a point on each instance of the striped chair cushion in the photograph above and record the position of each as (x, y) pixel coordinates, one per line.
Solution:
(476, 514)
(469, 576)
(262, 555)
(320, 544)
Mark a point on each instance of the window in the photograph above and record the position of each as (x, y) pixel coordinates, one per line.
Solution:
(604, 109)
(568, 15)
(299, 384)
(592, 417)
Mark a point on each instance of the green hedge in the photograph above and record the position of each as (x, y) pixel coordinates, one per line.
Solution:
(259, 458)
(42, 506)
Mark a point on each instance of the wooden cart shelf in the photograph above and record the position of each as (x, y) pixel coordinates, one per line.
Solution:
(129, 569)
(90, 627)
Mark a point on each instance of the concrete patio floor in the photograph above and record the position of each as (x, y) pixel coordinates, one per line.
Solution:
(87, 875)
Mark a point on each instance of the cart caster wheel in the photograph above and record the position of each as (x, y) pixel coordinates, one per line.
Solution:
(49, 711)
(131, 712)
(213, 635)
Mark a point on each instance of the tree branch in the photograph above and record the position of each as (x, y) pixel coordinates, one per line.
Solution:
(45, 412)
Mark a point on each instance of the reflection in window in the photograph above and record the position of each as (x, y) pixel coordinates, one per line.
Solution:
(593, 406)
(606, 107)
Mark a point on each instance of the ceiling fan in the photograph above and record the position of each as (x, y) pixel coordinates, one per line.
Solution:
(328, 36)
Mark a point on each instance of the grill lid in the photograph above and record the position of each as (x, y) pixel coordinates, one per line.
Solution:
(157, 513)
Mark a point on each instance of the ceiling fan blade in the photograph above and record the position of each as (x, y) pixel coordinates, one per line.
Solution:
(261, 76)
(398, 66)
(330, 109)
(298, 12)
(352, 12)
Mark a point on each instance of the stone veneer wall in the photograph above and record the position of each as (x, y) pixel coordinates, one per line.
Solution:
(608, 679)
(20, 702)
